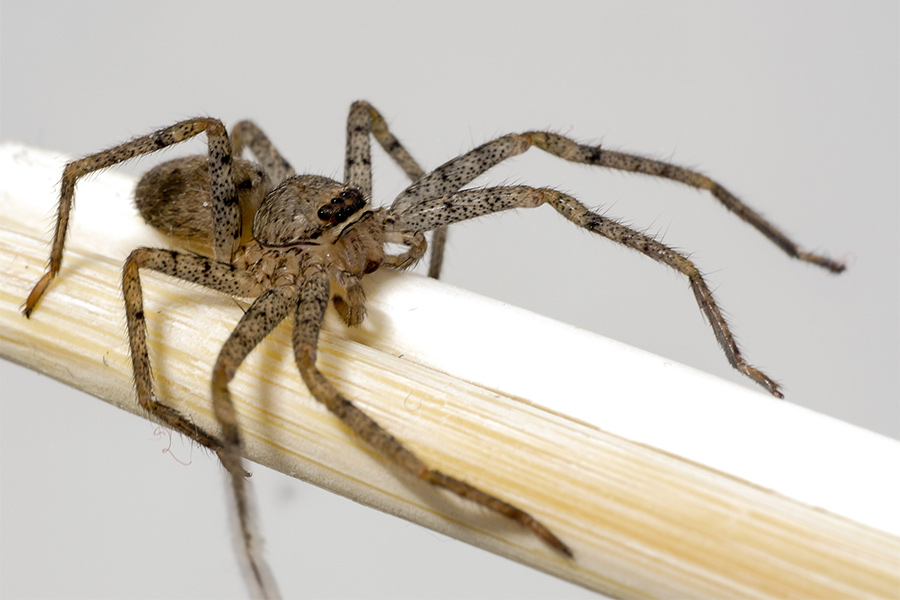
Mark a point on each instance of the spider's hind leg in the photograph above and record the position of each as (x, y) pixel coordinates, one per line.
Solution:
(223, 195)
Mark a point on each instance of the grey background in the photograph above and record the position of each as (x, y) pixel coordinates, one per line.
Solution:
(793, 106)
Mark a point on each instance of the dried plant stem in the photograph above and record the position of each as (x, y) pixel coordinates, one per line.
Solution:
(641, 522)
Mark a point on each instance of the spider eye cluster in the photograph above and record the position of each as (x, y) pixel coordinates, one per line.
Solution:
(341, 207)
(303, 208)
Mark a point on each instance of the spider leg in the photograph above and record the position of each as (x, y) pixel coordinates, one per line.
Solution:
(314, 293)
(223, 277)
(247, 134)
(363, 120)
(456, 173)
(468, 204)
(225, 207)
(264, 314)
(570, 150)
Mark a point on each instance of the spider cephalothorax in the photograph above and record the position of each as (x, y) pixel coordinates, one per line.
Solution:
(294, 243)
(306, 209)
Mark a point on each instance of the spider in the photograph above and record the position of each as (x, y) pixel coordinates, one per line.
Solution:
(295, 242)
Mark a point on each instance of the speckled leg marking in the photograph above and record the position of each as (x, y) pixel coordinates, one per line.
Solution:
(593, 155)
(456, 173)
(207, 272)
(247, 135)
(469, 204)
(264, 314)
(307, 324)
(226, 213)
(363, 120)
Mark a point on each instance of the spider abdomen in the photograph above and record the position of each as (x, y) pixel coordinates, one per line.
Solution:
(174, 197)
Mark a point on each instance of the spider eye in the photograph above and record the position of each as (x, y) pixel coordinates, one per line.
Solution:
(303, 208)
(341, 207)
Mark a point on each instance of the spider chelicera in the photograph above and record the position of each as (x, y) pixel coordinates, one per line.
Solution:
(295, 242)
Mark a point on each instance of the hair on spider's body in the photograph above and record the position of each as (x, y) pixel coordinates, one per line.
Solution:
(295, 243)
(174, 196)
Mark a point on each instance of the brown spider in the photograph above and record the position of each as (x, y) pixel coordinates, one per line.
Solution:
(294, 242)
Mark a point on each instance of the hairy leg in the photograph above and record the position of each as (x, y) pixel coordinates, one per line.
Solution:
(263, 315)
(469, 204)
(569, 150)
(207, 272)
(363, 120)
(307, 323)
(261, 318)
(224, 204)
(458, 172)
(246, 134)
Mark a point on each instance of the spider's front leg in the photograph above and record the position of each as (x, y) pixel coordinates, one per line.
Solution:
(468, 204)
(570, 150)
(458, 172)
(314, 295)
(224, 203)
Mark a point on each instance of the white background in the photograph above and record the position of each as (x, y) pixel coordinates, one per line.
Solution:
(793, 106)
